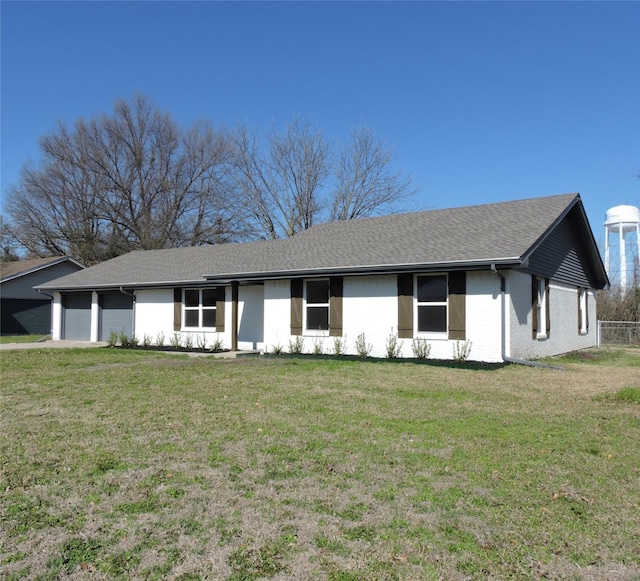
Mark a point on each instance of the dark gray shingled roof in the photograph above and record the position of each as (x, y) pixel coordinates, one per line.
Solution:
(502, 233)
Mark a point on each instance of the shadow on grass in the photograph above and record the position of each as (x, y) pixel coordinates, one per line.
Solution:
(23, 338)
(597, 355)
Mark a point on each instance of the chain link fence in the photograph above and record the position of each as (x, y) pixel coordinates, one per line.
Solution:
(621, 332)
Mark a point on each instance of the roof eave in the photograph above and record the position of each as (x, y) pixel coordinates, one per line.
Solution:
(553, 225)
(603, 279)
(226, 278)
(504, 262)
(55, 262)
(118, 286)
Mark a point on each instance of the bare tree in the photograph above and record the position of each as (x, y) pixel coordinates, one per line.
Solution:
(293, 181)
(281, 183)
(365, 182)
(619, 304)
(135, 180)
(125, 181)
(8, 251)
(56, 209)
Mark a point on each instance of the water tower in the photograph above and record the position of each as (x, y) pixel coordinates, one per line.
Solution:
(622, 227)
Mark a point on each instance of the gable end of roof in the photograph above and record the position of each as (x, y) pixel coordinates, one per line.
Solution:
(568, 252)
(19, 268)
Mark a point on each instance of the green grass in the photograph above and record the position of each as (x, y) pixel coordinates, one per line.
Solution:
(130, 464)
(22, 338)
(627, 355)
(628, 394)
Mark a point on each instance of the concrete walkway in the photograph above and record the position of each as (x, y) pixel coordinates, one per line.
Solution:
(68, 344)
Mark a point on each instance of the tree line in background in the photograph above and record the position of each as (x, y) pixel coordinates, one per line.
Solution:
(619, 304)
(135, 180)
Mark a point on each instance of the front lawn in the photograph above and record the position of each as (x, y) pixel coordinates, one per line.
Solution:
(22, 338)
(122, 464)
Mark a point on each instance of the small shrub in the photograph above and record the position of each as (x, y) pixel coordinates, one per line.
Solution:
(318, 347)
(461, 350)
(340, 345)
(277, 349)
(112, 341)
(128, 342)
(201, 341)
(217, 344)
(363, 349)
(175, 340)
(297, 345)
(188, 341)
(421, 349)
(394, 348)
(160, 339)
(146, 340)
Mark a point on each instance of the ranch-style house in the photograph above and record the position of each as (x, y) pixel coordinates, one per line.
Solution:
(512, 280)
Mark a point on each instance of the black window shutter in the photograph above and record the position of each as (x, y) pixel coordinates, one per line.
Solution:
(405, 306)
(579, 311)
(457, 305)
(335, 305)
(220, 304)
(546, 303)
(534, 307)
(296, 306)
(586, 308)
(177, 309)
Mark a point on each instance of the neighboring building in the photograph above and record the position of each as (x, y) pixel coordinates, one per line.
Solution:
(25, 311)
(515, 279)
(621, 246)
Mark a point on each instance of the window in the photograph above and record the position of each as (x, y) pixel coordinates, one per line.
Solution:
(200, 308)
(583, 309)
(317, 305)
(436, 302)
(432, 303)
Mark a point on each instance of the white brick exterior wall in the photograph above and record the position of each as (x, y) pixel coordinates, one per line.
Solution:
(277, 313)
(563, 306)
(518, 306)
(370, 306)
(483, 316)
(154, 314)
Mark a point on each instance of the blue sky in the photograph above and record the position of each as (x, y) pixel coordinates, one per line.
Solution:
(481, 102)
